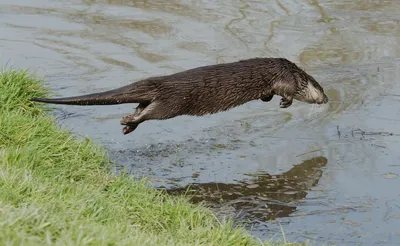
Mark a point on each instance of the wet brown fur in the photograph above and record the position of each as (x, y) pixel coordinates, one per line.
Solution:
(206, 90)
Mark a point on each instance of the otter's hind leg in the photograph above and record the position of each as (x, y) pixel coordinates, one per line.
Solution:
(131, 127)
(152, 112)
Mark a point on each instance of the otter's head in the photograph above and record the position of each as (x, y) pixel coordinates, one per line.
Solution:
(309, 90)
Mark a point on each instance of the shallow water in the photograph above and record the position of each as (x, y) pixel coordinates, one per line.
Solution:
(328, 174)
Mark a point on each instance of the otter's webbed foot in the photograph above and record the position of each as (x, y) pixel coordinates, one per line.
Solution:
(129, 129)
(285, 102)
(129, 125)
(129, 120)
(267, 98)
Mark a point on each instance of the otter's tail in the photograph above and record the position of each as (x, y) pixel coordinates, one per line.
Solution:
(116, 96)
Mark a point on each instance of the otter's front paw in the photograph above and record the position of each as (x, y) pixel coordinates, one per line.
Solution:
(267, 98)
(285, 103)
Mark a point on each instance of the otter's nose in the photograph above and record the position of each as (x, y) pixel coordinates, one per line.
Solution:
(323, 101)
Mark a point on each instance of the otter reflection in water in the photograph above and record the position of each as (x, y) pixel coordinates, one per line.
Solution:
(264, 197)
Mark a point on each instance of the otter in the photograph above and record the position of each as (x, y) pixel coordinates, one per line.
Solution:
(207, 90)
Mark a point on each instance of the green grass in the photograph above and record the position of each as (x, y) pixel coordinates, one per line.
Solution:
(58, 190)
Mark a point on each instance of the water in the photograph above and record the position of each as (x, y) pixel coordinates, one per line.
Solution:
(328, 174)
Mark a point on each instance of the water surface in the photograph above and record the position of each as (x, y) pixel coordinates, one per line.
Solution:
(327, 174)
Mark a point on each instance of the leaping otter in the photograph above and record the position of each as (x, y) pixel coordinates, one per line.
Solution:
(207, 90)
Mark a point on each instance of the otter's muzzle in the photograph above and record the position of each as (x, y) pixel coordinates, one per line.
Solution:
(323, 101)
